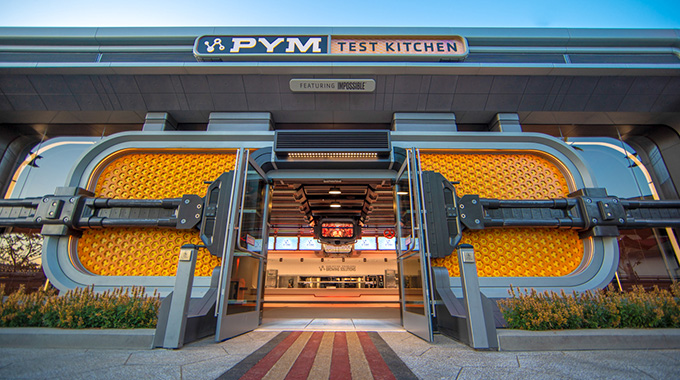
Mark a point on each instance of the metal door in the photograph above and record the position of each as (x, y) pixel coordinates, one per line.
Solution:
(413, 255)
(240, 291)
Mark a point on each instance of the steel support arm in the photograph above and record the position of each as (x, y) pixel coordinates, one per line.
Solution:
(81, 211)
(590, 211)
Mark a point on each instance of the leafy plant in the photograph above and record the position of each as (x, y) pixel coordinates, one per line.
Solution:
(79, 308)
(20, 249)
(529, 310)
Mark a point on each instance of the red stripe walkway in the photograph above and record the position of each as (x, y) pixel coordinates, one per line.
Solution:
(263, 366)
(340, 367)
(379, 368)
(304, 362)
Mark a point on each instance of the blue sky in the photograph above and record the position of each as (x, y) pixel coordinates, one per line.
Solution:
(452, 13)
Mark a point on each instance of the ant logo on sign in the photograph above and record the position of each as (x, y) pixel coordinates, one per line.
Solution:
(216, 42)
(227, 46)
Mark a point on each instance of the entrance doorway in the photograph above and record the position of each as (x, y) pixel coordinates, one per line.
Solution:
(321, 274)
(360, 235)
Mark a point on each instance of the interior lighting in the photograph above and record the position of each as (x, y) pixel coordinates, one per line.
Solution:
(335, 205)
(338, 249)
(334, 191)
(402, 192)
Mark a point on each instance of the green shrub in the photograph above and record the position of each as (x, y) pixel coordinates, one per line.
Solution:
(79, 308)
(638, 308)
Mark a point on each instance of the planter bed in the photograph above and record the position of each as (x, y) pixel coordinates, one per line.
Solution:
(44, 337)
(588, 339)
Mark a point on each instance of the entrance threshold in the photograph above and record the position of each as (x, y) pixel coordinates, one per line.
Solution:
(331, 317)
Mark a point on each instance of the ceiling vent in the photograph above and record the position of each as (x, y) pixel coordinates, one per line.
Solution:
(333, 144)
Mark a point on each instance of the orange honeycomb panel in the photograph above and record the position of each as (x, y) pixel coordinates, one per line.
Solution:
(139, 252)
(150, 251)
(514, 252)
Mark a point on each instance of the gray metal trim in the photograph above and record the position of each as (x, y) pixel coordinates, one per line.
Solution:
(331, 174)
(339, 68)
(110, 36)
(59, 265)
(501, 141)
(601, 254)
(488, 40)
(163, 140)
(418, 323)
(596, 270)
(177, 314)
(472, 49)
(481, 329)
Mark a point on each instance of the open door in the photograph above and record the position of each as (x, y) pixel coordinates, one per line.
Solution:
(413, 256)
(240, 290)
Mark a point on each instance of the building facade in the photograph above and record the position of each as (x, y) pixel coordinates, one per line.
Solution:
(327, 133)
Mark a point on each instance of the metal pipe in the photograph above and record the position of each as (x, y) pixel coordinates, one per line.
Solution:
(651, 223)
(28, 202)
(558, 223)
(557, 203)
(26, 223)
(149, 203)
(107, 222)
(650, 204)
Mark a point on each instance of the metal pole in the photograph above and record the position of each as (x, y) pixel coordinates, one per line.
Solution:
(476, 318)
(181, 295)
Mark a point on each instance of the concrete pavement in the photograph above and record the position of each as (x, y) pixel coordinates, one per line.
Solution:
(443, 359)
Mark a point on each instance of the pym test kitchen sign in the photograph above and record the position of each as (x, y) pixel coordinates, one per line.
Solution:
(449, 47)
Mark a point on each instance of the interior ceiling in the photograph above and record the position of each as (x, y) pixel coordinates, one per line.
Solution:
(293, 203)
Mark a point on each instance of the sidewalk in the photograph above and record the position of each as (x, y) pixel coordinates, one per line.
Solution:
(443, 359)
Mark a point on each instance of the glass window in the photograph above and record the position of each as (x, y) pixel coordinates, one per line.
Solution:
(47, 166)
(646, 256)
(252, 213)
(244, 284)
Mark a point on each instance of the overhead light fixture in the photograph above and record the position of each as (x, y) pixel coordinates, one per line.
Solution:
(335, 205)
(338, 249)
(334, 191)
(402, 192)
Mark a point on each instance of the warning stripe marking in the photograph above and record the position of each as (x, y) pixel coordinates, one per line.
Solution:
(286, 361)
(379, 368)
(321, 369)
(357, 359)
(340, 369)
(322, 355)
(302, 366)
(263, 366)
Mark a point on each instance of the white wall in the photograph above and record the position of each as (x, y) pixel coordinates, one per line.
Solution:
(311, 265)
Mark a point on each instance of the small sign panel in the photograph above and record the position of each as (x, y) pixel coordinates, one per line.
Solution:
(286, 243)
(309, 244)
(468, 256)
(386, 244)
(185, 254)
(254, 245)
(408, 244)
(332, 85)
(337, 268)
(366, 243)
